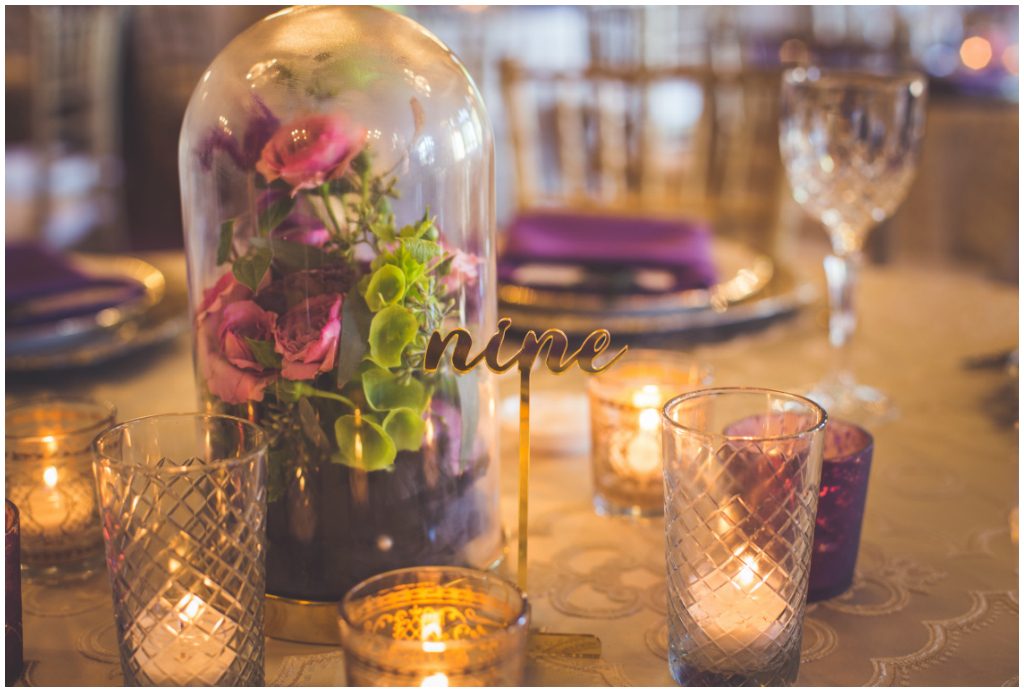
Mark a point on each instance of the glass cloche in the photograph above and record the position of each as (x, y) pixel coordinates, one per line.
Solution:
(337, 187)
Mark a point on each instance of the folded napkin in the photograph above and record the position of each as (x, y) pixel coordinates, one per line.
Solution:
(600, 245)
(43, 286)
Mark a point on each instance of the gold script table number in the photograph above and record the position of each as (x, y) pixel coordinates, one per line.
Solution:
(557, 360)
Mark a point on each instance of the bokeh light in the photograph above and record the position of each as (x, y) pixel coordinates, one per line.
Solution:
(976, 52)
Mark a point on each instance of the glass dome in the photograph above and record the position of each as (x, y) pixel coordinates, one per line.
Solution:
(337, 192)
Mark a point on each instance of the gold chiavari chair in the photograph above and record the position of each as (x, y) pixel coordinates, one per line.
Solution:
(675, 141)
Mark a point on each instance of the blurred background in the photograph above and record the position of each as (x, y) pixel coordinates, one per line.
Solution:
(95, 98)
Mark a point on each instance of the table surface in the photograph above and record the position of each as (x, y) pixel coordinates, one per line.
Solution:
(935, 598)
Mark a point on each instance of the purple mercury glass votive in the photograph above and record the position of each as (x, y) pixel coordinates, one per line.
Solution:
(844, 490)
(14, 658)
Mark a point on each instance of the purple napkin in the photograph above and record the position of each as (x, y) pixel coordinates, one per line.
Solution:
(599, 244)
(42, 286)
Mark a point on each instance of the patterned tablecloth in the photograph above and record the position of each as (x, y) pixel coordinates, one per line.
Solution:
(935, 599)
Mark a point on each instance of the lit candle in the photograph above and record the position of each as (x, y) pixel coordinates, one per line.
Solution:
(431, 636)
(186, 644)
(744, 613)
(625, 407)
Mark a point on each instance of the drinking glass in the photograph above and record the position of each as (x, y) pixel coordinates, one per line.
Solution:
(742, 472)
(183, 505)
(850, 142)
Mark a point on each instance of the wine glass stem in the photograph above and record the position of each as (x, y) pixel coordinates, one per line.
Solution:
(841, 271)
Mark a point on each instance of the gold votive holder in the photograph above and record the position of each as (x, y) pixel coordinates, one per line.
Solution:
(435, 627)
(48, 470)
(625, 428)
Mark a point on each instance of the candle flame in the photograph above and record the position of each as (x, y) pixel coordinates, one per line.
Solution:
(435, 680)
(649, 396)
(748, 574)
(649, 419)
(50, 476)
(430, 632)
(50, 442)
(189, 607)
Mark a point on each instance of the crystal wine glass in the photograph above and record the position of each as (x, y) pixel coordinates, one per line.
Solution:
(850, 142)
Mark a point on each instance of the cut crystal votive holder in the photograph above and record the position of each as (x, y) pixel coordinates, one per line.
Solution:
(435, 627)
(48, 470)
(183, 503)
(625, 427)
(844, 492)
(742, 472)
(14, 640)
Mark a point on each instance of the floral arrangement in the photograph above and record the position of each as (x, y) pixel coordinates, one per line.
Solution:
(317, 327)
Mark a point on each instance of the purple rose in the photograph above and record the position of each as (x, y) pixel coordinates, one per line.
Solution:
(310, 151)
(302, 228)
(262, 125)
(307, 336)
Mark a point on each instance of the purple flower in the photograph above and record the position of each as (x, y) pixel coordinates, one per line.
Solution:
(302, 228)
(261, 127)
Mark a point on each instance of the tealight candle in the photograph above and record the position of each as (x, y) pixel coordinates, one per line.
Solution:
(625, 411)
(434, 627)
(189, 645)
(49, 478)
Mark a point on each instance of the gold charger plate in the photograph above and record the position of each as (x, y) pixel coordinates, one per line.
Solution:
(158, 316)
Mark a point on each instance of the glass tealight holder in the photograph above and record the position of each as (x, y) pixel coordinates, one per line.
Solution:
(183, 503)
(48, 471)
(742, 472)
(625, 427)
(844, 492)
(435, 627)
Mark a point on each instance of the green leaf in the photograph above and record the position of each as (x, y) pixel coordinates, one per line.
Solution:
(294, 256)
(276, 460)
(422, 250)
(355, 333)
(227, 235)
(249, 269)
(391, 330)
(310, 422)
(385, 390)
(406, 428)
(272, 216)
(263, 352)
(363, 444)
(386, 287)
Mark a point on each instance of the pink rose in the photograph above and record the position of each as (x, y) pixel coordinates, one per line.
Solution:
(463, 271)
(241, 321)
(307, 336)
(227, 290)
(228, 365)
(308, 152)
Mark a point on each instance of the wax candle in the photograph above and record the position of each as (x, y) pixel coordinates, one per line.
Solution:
(184, 644)
(625, 409)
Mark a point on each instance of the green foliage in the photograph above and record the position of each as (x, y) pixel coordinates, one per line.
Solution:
(385, 390)
(264, 353)
(355, 336)
(363, 443)
(406, 428)
(386, 287)
(227, 233)
(273, 215)
(250, 269)
(391, 330)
